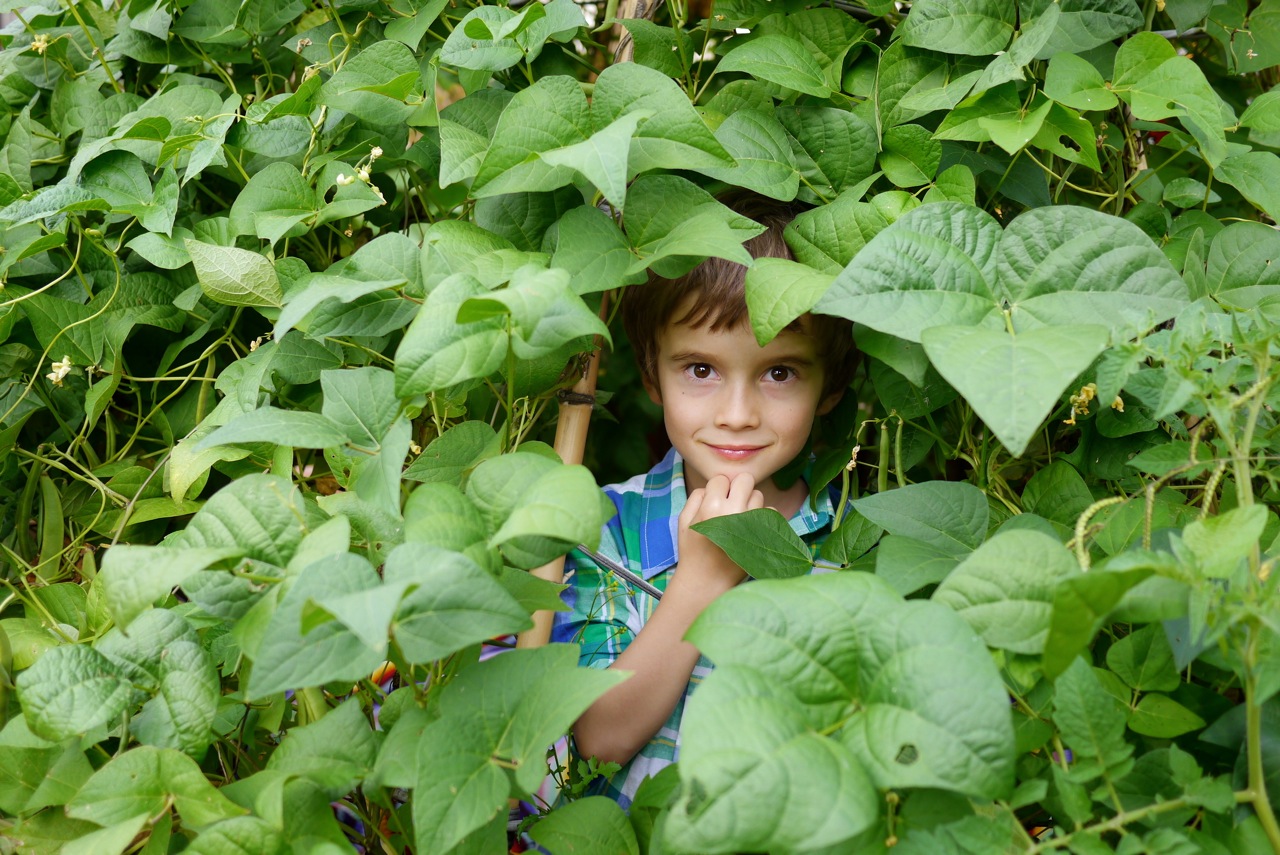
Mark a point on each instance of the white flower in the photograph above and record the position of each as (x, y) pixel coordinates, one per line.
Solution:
(343, 179)
(60, 371)
(364, 174)
(375, 152)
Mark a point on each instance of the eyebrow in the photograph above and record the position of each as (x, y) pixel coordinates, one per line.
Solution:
(786, 358)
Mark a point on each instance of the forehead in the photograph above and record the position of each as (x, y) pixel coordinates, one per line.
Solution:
(682, 341)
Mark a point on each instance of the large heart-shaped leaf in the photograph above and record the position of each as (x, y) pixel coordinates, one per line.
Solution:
(1013, 381)
(858, 660)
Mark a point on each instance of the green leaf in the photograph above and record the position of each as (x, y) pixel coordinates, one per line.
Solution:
(851, 540)
(464, 50)
(273, 202)
(549, 115)
(666, 49)
(602, 158)
(592, 824)
(146, 781)
(238, 835)
(778, 291)
(673, 137)
(828, 237)
(455, 604)
(1241, 272)
(1032, 37)
(1144, 660)
(336, 752)
(234, 277)
(314, 290)
(289, 657)
(559, 505)
(589, 245)
(1080, 606)
(907, 564)
(970, 27)
(1263, 113)
(910, 155)
(361, 402)
(1255, 174)
(849, 650)
(499, 714)
(1013, 130)
(1085, 24)
(48, 201)
(451, 455)
(756, 777)
(834, 149)
(778, 59)
(673, 224)
(114, 839)
(438, 352)
(1220, 543)
(1075, 82)
(951, 516)
(1013, 382)
(120, 178)
(134, 577)
(766, 161)
(295, 428)
(1158, 83)
(761, 542)
(1162, 717)
(545, 314)
(70, 690)
(1092, 724)
(948, 263)
(1004, 590)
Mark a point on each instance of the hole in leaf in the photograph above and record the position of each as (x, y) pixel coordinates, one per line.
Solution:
(907, 755)
(1067, 142)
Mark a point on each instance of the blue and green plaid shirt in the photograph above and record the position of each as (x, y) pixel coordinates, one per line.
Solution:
(605, 612)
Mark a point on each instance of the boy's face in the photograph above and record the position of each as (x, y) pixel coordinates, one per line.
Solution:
(731, 406)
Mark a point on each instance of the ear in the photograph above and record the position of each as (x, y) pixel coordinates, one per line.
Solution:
(828, 403)
(651, 386)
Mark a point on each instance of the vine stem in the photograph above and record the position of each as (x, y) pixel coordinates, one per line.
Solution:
(1253, 745)
(1120, 820)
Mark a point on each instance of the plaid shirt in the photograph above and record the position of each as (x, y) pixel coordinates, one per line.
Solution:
(606, 612)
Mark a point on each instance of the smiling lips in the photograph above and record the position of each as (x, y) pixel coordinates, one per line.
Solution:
(735, 452)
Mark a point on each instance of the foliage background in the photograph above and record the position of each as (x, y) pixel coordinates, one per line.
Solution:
(290, 289)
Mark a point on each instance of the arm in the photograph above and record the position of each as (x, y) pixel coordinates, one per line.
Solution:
(619, 724)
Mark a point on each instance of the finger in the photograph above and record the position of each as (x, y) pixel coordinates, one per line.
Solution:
(756, 501)
(691, 507)
(719, 486)
(741, 488)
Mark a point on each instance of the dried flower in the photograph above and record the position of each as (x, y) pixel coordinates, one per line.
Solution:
(375, 152)
(40, 43)
(304, 43)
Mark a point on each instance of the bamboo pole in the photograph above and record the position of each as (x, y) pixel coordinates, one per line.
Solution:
(576, 405)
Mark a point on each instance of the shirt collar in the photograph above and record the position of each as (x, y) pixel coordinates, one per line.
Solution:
(660, 521)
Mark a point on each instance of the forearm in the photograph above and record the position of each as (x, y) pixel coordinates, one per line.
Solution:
(619, 724)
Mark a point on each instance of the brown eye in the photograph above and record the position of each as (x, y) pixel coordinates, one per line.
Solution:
(700, 370)
(779, 374)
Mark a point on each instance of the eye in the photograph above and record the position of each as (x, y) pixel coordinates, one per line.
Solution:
(781, 373)
(700, 370)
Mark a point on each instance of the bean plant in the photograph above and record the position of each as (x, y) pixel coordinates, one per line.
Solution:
(290, 294)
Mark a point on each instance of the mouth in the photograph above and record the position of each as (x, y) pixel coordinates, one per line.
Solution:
(735, 452)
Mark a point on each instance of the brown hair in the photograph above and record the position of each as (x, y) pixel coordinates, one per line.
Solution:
(717, 287)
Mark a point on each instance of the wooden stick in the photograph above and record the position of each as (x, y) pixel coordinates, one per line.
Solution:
(575, 408)
(570, 442)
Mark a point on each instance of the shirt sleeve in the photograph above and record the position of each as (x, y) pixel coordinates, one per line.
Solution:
(602, 616)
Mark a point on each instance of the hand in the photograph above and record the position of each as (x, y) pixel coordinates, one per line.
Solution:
(700, 559)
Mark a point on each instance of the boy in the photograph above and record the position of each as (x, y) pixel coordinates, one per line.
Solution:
(736, 413)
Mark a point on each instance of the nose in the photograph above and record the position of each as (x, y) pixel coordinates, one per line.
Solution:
(738, 407)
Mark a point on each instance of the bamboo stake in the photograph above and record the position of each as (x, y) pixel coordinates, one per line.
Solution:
(575, 407)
